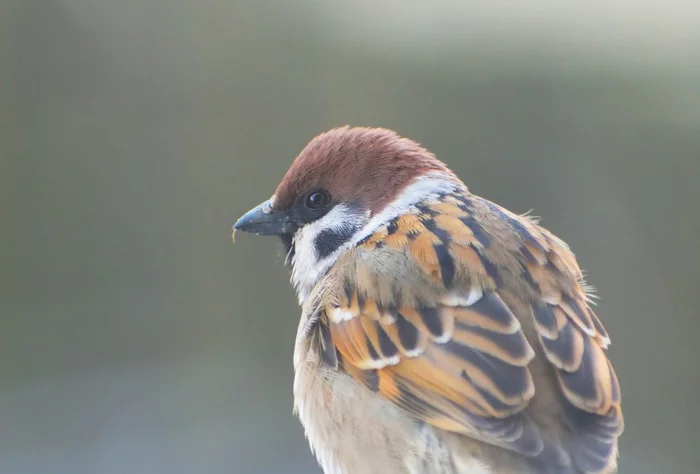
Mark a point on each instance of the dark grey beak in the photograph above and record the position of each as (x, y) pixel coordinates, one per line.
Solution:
(263, 220)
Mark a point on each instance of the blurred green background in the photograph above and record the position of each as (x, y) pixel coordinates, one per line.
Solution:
(134, 337)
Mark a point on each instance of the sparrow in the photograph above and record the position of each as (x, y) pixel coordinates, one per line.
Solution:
(440, 333)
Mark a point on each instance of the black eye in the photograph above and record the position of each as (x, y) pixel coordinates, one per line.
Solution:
(317, 200)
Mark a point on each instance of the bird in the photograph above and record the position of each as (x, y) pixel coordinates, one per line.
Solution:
(440, 333)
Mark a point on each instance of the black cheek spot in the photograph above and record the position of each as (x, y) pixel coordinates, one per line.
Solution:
(329, 240)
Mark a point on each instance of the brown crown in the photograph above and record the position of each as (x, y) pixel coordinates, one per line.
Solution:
(366, 165)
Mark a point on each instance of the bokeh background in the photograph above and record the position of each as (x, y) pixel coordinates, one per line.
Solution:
(135, 338)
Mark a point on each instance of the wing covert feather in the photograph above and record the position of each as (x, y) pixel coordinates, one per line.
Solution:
(456, 356)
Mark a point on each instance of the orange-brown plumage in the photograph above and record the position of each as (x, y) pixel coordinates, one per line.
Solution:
(424, 302)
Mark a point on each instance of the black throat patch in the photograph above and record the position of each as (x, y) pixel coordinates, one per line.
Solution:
(329, 240)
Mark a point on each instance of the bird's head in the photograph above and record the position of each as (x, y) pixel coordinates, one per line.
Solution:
(343, 186)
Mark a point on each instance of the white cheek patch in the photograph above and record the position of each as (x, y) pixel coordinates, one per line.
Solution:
(317, 244)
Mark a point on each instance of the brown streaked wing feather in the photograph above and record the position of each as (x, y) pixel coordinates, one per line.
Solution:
(445, 368)
(573, 340)
(458, 360)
